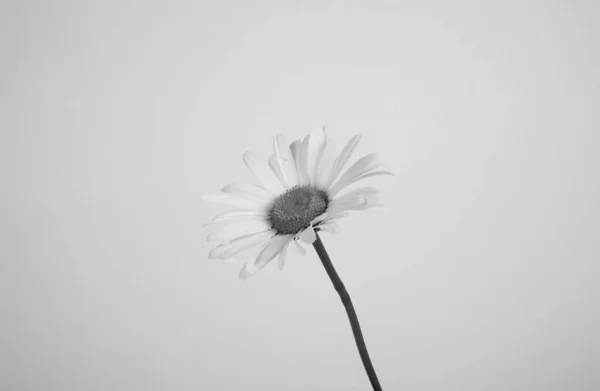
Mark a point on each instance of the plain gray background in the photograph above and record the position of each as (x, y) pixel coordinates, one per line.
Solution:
(117, 116)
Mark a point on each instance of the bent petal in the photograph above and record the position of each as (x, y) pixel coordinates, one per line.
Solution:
(225, 233)
(362, 166)
(281, 149)
(299, 249)
(352, 201)
(241, 243)
(264, 175)
(369, 174)
(308, 235)
(279, 170)
(342, 159)
(331, 227)
(281, 258)
(270, 251)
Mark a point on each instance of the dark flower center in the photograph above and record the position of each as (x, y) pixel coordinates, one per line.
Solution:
(293, 211)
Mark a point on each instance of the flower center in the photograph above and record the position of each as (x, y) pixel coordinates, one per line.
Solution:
(293, 211)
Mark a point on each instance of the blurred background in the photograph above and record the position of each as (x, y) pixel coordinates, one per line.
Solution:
(117, 116)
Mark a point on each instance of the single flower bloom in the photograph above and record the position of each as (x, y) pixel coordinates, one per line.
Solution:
(300, 191)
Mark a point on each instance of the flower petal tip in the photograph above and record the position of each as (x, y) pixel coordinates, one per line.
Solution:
(209, 197)
(298, 247)
(309, 235)
(244, 275)
(216, 253)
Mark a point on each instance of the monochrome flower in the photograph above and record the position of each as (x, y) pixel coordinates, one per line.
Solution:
(300, 191)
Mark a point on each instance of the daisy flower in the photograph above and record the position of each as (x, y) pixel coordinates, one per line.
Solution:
(299, 192)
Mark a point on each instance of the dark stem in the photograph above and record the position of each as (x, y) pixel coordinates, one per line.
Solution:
(341, 290)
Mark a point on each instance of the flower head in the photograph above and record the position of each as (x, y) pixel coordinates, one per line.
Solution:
(299, 193)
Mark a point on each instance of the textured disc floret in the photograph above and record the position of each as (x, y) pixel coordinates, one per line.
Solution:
(293, 211)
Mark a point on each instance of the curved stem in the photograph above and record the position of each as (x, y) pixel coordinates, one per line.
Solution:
(341, 290)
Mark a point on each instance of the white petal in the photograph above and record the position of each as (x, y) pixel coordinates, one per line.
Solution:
(248, 191)
(242, 257)
(227, 232)
(277, 167)
(317, 146)
(336, 210)
(236, 200)
(299, 249)
(300, 150)
(376, 206)
(304, 159)
(308, 235)
(270, 251)
(369, 174)
(326, 163)
(354, 200)
(281, 258)
(319, 218)
(295, 149)
(361, 167)
(264, 175)
(360, 192)
(241, 243)
(281, 149)
(238, 215)
(341, 160)
(331, 227)
(341, 215)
